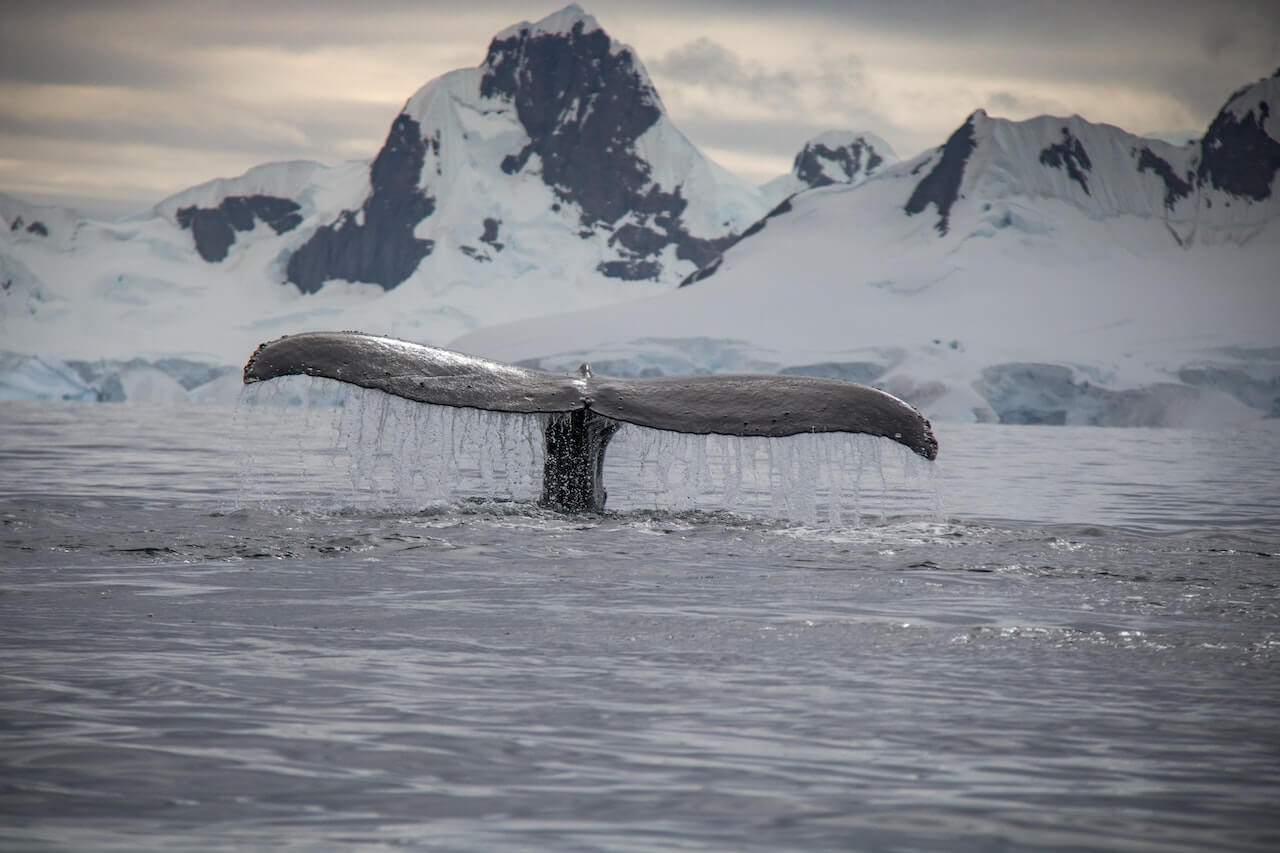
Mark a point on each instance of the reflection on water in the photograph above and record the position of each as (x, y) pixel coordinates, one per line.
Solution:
(224, 631)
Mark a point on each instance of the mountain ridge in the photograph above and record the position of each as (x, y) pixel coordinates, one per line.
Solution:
(549, 179)
(1050, 270)
(549, 173)
(574, 108)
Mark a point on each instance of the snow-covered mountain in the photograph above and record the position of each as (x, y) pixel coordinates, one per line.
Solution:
(1050, 270)
(1043, 271)
(834, 157)
(556, 142)
(1219, 188)
(548, 177)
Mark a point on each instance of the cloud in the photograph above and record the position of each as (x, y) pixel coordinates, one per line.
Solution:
(166, 44)
(1007, 104)
(109, 115)
(826, 81)
(210, 87)
(705, 63)
(1004, 102)
(755, 117)
(1217, 37)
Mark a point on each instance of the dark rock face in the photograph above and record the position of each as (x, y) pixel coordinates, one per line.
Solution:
(731, 240)
(214, 227)
(36, 227)
(631, 270)
(489, 236)
(490, 233)
(640, 244)
(378, 247)
(583, 108)
(809, 163)
(1069, 154)
(1237, 155)
(704, 273)
(941, 187)
(915, 170)
(1175, 188)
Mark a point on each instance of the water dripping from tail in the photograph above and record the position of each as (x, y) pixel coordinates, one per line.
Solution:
(322, 445)
(820, 479)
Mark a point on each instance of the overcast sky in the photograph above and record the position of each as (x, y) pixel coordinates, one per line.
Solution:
(115, 104)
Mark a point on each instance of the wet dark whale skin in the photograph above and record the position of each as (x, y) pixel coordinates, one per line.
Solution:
(583, 407)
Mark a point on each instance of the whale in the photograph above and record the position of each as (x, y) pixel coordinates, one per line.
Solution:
(583, 411)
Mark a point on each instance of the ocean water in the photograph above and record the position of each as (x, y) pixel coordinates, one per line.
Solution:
(349, 627)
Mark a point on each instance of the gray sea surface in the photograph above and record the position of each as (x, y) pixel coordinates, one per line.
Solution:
(347, 626)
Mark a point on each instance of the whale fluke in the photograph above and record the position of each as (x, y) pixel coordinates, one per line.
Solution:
(585, 409)
(415, 372)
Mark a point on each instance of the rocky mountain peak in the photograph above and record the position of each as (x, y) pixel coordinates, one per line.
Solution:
(841, 157)
(834, 157)
(583, 100)
(940, 186)
(557, 109)
(1211, 189)
(1240, 152)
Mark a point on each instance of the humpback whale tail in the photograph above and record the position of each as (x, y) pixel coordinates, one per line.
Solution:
(585, 410)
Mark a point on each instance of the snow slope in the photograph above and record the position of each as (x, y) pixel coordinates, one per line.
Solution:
(1046, 271)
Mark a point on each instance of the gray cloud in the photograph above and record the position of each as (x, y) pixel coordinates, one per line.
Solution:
(1006, 101)
(304, 134)
(827, 85)
(1018, 105)
(1048, 22)
(704, 62)
(43, 51)
(1218, 37)
(156, 43)
(844, 86)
